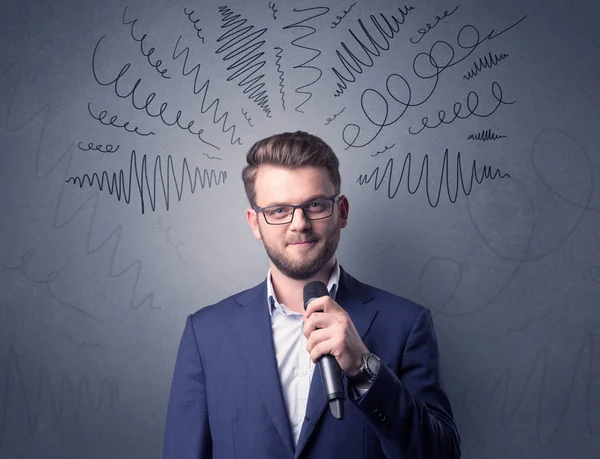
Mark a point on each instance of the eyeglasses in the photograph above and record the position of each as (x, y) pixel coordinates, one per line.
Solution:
(284, 214)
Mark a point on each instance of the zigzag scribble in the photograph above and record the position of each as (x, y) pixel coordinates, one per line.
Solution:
(486, 135)
(485, 62)
(244, 43)
(281, 74)
(118, 185)
(78, 395)
(486, 173)
(299, 90)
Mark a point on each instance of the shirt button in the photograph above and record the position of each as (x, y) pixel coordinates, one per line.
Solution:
(304, 371)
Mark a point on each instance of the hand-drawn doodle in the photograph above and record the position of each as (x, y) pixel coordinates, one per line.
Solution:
(273, 9)
(486, 135)
(245, 113)
(242, 44)
(485, 62)
(69, 398)
(149, 99)
(487, 172)
(304, 65)
(194, 22)
(472, 104)
(176, 245)
(428, 26)
(281, 74)
(156, 65)
(384, 150)
(329, 120)
(119, 185)
(204, 88)
(112, 122)
(108, 148)
(537, 378)
(339, 18)
(468, 38)
(393, 25)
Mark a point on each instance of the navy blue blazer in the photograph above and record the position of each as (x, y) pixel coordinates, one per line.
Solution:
(226, 399)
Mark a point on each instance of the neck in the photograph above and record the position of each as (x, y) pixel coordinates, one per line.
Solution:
(291, 291)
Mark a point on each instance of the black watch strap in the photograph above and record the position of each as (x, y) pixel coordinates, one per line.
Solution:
(368, 370)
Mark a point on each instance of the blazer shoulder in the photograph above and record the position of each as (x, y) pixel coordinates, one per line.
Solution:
(227, 306)
(384, 300)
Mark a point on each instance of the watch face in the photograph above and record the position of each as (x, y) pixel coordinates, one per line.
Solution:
(373, 364)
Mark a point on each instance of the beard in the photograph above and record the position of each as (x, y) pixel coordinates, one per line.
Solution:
(311, 262)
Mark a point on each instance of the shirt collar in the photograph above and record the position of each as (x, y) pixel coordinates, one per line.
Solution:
(332, 287)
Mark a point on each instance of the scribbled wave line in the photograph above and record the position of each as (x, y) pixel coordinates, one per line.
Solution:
(66, 399)
(486, 173)
(486, 135)
(485, 62)
(41, 118)
(281, 74)
(204, 89)
(357, 65)
(118, 185)
(244, 43)
(317, 53)
(504, 386)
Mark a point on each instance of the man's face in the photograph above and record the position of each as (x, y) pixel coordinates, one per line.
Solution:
(299, 249)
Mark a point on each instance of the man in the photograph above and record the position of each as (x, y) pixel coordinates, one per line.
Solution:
(245, 383)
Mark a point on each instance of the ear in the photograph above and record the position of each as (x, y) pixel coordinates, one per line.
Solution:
(252, 218)
(344, 210)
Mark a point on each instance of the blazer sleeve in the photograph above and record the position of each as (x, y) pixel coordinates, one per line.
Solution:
(187, 433)
(407, 408)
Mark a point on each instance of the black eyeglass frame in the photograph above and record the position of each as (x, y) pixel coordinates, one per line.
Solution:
(333, 200)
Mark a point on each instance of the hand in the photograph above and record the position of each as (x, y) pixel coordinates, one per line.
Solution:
(329, 330)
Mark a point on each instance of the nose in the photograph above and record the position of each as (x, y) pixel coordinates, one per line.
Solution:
(299, 221)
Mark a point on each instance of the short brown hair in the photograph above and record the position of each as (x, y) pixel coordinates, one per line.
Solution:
(290, 150)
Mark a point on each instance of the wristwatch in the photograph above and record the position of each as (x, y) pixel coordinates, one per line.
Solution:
(368, 370)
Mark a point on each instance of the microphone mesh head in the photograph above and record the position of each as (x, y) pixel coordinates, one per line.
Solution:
(314, 289)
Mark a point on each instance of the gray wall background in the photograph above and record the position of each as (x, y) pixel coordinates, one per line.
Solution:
(94, 292)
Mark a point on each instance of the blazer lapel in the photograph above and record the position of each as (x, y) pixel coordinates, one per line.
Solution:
(253, 326)
(352, 296)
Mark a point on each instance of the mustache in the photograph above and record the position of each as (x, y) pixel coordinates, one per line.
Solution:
(308, 238)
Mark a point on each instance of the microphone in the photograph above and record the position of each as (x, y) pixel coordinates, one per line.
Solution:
(331, 374)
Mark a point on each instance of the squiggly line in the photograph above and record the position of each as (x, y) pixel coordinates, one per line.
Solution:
(212, 157)
(156, 65)
(486, 173)
(472, 104)
(272, 6)
(245, 46)
(198, 30)
(298, 25)
(100, 117)
(334, 24)
(329, 120)
(486, 135)
(357, 65)
(384, 150)
(485, 62)
(245, 113)
(378, 113)
(503, 387)
(204, 88)
(281, 74)
(41, 118)
(109, 148)
(118, 185)
(149, 99)
(68, 399)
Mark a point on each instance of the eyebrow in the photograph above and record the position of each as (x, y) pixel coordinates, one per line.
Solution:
(312, 198)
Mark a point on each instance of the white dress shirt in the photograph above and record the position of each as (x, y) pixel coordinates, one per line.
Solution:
(293, 360)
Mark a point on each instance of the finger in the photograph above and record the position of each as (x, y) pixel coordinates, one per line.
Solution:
(322, 348)
(316, 321)
(318, 336)
(316, 305)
